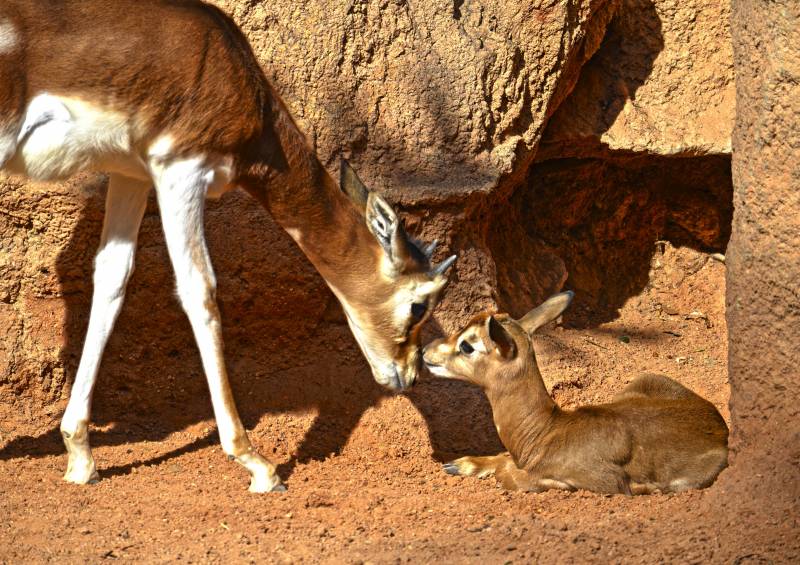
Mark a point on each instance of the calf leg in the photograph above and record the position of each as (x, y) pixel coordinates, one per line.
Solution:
(501, 466)
(125, 204)
(511, 477)
(477, 466)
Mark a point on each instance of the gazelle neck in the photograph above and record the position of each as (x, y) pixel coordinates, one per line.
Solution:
(522, 409)
(292, 184)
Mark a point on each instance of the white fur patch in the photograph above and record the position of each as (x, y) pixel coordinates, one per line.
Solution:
(295, 234)
(439, 371)
(221, 182)
(555, 484)
(406, 296)
(681, 484)
(471, 336)
(9, 38)
(161, 149)
(220, 170)
(61, 136)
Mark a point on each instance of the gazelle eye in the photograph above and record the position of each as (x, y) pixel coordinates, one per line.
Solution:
(418, 311)
(465, 347)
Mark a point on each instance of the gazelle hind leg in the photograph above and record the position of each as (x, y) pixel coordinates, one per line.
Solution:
(181, 187)
(125, 205)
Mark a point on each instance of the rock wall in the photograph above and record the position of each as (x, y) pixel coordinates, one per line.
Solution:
(637, 154)
(594, 224)
(763, 292)
(661, 83)
(547, 142)
(433, 101)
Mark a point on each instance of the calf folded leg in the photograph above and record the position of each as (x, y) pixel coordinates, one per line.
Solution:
(501, 466)
(477, 466)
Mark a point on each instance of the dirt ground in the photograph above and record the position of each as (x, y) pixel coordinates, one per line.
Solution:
(364, 469)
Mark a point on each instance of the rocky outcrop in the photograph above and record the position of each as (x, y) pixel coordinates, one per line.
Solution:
(638, 154)
(763, 292)
(433, 101)
(660, 83)
(593, 225)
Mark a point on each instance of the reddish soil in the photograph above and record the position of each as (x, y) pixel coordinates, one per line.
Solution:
(364, 469)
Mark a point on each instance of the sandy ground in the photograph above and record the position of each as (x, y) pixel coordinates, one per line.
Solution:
(364, 469)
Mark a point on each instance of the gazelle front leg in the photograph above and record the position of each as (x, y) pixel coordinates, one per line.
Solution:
(501, 466)
(125, 205)
(181, 188)
(480, 466)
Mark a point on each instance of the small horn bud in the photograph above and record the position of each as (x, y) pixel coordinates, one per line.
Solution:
(442, 267)
(429, 249)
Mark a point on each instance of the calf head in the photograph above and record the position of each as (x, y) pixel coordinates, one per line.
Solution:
(492, 348)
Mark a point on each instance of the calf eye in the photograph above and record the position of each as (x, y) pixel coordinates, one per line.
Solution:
(418, 311)
(465, 347)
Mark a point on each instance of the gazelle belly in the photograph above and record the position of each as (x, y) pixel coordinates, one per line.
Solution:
(61, 136)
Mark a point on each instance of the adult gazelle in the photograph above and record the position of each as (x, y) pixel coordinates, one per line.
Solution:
(170, 95)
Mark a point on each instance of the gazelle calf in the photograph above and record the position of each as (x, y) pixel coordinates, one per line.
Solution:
(168, 94)
(656, 435)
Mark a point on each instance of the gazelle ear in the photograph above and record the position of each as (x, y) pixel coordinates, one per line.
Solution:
(546, 312)
(384, 224)
(501, 339)
(352, 186)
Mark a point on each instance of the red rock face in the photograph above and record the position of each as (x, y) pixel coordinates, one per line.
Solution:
(436, 105)
(598, 222)
(551, 144)
(763, 288)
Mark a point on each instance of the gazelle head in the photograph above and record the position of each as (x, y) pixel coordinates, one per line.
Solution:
(396, 295)
(492, 348)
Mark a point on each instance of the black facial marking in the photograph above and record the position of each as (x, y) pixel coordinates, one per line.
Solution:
(418, 311)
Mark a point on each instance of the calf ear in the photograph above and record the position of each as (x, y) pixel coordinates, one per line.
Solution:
(501, 339)
(352, 186)
(546, 312)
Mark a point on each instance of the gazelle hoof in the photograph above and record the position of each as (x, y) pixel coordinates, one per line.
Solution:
(451, 468)
(467, 467)
(261, 486)
(82, 477)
